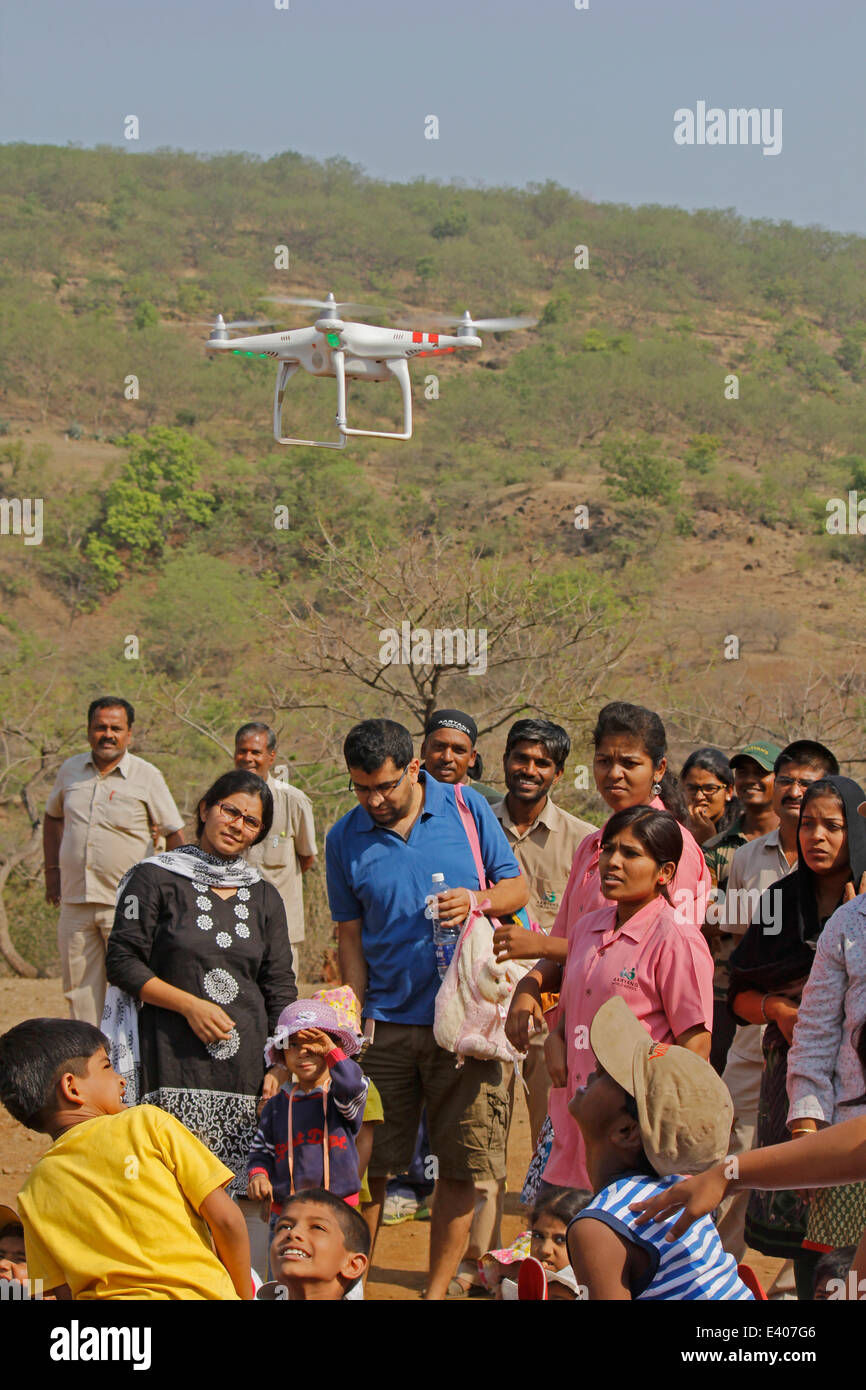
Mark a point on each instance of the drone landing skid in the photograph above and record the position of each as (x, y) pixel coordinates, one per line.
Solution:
(398, 368)
(284, 371)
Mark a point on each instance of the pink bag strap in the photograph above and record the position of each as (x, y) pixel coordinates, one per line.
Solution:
(472, 835)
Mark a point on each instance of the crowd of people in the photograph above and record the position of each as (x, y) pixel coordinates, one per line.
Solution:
(678, 996)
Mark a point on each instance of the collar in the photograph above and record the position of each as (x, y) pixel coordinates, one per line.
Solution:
(123, 767)
(772, 841)
(548, 816)
(435, 800)
(637, 926)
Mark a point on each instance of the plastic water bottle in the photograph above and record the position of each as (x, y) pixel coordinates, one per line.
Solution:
(444, 938)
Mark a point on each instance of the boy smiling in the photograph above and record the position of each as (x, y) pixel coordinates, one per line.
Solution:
(320, 1250)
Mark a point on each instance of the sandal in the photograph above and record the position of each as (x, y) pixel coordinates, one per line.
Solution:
(460, 1286)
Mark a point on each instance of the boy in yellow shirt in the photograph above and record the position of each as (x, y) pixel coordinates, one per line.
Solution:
(120, 1206)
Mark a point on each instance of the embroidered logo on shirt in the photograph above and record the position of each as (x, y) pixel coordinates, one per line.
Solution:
(626, 978)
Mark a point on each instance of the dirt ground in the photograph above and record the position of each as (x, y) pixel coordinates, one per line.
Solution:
(400, 1262)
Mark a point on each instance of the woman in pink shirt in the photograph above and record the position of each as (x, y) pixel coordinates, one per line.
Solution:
(630, 769)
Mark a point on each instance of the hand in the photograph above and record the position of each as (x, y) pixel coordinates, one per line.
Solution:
(698, 1196)
(9, 1270)
(259, 1188)
(513, 942)
(315, 1040)
(208, 1021)
(556, 1058)
(454, 907)
(274, 1079)
(525, 1017)
(52, 887)
(852, 892)
(784, 1014)
(701, 825)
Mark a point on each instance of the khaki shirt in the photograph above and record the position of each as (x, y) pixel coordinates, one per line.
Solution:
(755, 867)
(544, 853)
(292, 833)
(107, 822)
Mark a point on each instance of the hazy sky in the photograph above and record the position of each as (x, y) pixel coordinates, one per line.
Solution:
(523, 91)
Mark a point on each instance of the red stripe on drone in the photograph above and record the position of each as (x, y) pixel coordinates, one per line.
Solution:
(417, 337)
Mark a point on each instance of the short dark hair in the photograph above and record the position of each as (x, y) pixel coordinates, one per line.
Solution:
(356, 1232)
(239, 780)
(562, 1206)
(834, 1264)
(808, 753)
(657, 831)
(370, 744)
(110, 702)
(33, 1057)
(551, 736)
(255, 726)
(12, 1228)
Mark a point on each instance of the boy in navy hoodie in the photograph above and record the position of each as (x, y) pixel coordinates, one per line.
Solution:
(307, 1132)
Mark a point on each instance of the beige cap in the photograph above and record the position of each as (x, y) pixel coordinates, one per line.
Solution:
(9, 1217)
(684, 1109)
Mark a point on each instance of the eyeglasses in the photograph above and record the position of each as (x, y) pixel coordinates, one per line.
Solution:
(384, 789)
(786, 782)
(695, 792)
(233, 813)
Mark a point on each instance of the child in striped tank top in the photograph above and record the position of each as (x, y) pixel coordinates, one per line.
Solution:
(650, 1113)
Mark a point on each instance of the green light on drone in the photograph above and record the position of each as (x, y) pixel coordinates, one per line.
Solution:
(333, 339)
(238, 352)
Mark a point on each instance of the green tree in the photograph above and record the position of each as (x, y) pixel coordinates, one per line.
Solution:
(702, 451)
(156, 492)
(636, 468)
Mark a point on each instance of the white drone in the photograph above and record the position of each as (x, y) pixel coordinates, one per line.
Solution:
(343, 349)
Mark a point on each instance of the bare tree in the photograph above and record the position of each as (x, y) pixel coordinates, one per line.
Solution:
(825, 707)
(410, 629)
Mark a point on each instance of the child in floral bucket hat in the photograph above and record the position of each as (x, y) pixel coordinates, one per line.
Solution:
(307, 1131)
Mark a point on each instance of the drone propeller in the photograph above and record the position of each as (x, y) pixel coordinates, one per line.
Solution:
(467, 321)
(219, 322)
(330, 303)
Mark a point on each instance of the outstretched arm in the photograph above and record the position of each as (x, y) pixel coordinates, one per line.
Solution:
(832, 1157)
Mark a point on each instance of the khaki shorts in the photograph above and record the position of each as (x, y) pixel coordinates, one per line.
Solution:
(467, 1109)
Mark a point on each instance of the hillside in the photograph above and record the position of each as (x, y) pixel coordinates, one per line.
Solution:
(706, 496)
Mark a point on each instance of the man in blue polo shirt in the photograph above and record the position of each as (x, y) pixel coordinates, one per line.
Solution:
(380, 860)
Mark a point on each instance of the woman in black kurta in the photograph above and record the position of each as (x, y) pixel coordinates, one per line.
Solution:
(213, 972)
(775, 960)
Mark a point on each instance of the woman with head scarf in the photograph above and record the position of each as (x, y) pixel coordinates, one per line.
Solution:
(201, 940)
(825, 1067)
(769, 970)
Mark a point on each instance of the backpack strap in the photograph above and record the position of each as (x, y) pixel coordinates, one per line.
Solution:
(471, 829)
